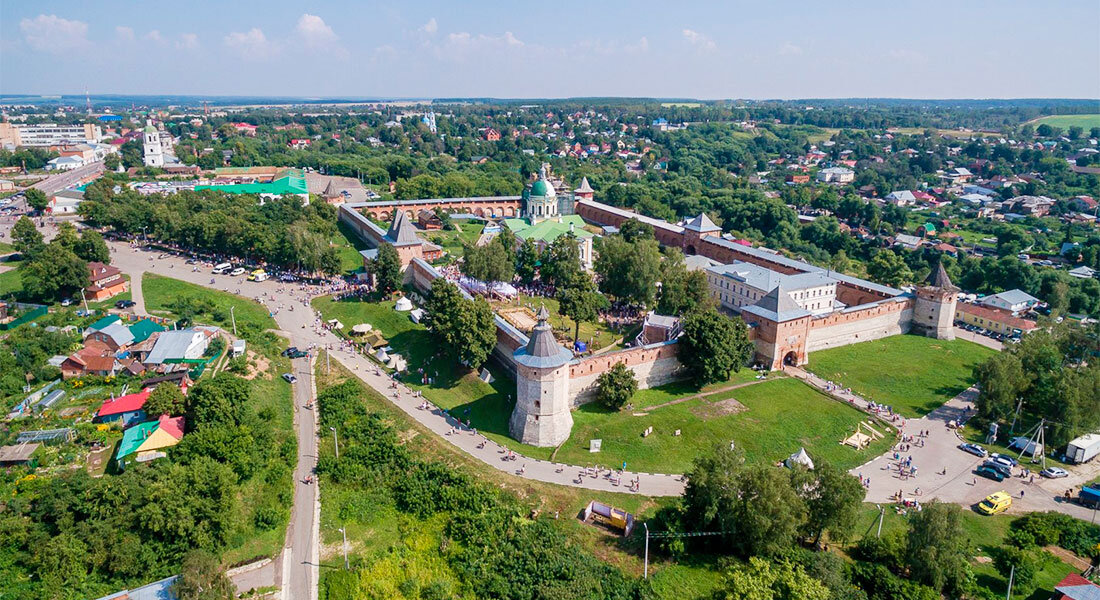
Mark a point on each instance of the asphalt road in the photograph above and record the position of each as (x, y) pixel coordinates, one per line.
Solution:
(300, 572)
(66, 179)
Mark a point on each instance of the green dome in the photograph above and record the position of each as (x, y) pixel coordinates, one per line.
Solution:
(542, 187)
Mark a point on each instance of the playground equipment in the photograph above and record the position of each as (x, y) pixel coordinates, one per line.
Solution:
(859, 440)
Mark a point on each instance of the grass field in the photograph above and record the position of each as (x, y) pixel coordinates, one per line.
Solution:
(1066, 121)
(913, 374)
(163, 293)
(451, 241)
(349, 245)
(768, 429)
(598, 335)
(10, 280)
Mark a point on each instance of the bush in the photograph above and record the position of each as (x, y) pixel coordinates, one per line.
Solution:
(880, 584)
(1052, 528)
(267, 517)
(616, 386)
(1027, 564)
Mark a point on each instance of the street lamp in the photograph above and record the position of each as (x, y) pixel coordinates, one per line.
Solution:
(335, 442)
(645, 572)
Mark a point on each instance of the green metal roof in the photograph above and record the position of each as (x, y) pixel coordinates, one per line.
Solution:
(143, 329)
(549, 230)
(104, 322)
(291, 181)
(540, 188)
(134, 437)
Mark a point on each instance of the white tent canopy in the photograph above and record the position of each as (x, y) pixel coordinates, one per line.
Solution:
(404, 304)
(335, 324)
(361, 328)
(801, 458)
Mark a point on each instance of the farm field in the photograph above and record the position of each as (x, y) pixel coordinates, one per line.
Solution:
(913, 374)
(1066, 121)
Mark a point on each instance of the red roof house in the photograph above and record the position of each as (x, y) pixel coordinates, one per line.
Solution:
(126, 408)
(1075, 587)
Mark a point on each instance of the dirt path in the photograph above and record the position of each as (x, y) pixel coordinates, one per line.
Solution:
(711, 393)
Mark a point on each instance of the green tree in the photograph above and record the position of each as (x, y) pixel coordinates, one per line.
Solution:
(26, 238)
(166, 399)
(936, 551)
(628, 271)
(54, 273)
(579, 300)
(465, 328)
(833, 499)
(561, 262)
(616, 386)
(714, 345)
(92, 248)
(760, 579)
(1023, 564)
(386, 268)
(889, 269)
(37, 199)
(682, 291)
(202, 577)
(633, 230)
(527, 261)
(489, 263)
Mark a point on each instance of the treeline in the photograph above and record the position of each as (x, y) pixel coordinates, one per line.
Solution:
(77, 536)
(490, 549)
(280, 232)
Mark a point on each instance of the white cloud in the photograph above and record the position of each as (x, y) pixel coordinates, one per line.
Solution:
(699, 40)
(911, 57)
(463, 38)
(430, 27)
(251, 45)
(315, 32)
(187, 41)
(51, 33)
(789, 49)
(125, 34)
(153, 36)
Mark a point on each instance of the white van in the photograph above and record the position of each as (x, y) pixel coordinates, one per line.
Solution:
(221, 268)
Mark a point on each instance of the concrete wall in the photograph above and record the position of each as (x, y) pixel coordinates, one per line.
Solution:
(653, 365)
(860, 324)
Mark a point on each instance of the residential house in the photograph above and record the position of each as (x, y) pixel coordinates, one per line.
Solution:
(65, 202)
(909, 242)
(95, 358)
(181, 378)
(158, 590)
(1083, 272)
(798, 178)
(1075, 587)
(927, 230)
(110, 332)
(993, 319)
(245, 129)
(836, 175)
(492, 135)
(1014, 301)
(144, 442)
(186, 345)
(901, 198)
(19, 454)
(107, 282)
(428, 220)
(127, 410)
(299, 143)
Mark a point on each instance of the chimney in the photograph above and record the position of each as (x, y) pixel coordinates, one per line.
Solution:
(572, 227)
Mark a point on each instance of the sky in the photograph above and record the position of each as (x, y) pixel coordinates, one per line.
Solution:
(520, 49)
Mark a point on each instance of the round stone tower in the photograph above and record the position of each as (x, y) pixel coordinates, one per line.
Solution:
(541, 416)
(934, 308)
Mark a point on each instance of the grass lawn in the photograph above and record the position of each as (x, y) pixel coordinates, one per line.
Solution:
(6, 248)
(913, 374)
(375, 528)
(10, 280)
(1066, 121)
(768, 429)
(349, 245)
(162, 294)
(451, 241)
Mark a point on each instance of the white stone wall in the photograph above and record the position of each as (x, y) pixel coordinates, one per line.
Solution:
(541, 416)
(859, 330)
(649, 374)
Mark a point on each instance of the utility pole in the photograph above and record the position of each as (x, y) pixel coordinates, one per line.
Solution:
(85, 300)
(881, 514)
(645, 572)
(233, 318)
(344, 531)
(336, 442)
(1011, 576)
(328, 365)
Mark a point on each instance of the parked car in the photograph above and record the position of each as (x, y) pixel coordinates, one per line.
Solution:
(990, 472)
(287, 277)
(1001, 467)
(997, 502)
(290, 378)
(237, 272)
(298, 354)
(1004, 459)
(67, 302)
(974, 449)
(1054, 473)
(124, 304)
(289, 350)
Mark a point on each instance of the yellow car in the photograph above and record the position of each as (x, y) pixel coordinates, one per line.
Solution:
(997, 502)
